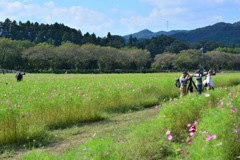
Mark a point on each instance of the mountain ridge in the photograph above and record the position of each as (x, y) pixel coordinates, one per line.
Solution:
(147, 34)
(226, 33)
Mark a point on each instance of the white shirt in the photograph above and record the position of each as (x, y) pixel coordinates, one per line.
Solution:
(209, 80)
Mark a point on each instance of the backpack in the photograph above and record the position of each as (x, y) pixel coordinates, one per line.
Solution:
(177, 83)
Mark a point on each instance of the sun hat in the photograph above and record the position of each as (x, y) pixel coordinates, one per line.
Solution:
(210, 71)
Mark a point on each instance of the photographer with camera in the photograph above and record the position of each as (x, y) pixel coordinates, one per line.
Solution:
(19, 76)
(199, 84)
(183, 83)
(208, 81)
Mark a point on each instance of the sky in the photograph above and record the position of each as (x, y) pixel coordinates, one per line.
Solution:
(122, 17)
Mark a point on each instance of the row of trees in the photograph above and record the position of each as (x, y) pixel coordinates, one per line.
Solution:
(192, 59)
(85, 57)
(43, 57)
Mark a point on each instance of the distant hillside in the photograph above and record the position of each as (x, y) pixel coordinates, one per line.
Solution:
(226, 33)
(147, 34)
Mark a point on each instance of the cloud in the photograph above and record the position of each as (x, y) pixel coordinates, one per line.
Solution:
(157, 19)
(78, 17)
(163, 3)
(86, 19)
(49, 4)
(155, 14)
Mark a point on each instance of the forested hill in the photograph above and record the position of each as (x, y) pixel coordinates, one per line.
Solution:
(54, 34)
(226, 33)
(147, 34)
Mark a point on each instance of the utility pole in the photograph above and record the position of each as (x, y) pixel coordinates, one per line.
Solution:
(202, 51)
(167, 25)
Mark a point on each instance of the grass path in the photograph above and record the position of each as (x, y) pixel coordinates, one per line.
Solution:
(116, 126)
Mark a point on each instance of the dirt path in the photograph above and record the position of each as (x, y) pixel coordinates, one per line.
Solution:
(116, 126)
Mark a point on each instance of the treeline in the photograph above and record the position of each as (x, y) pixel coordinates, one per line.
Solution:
(43, 57)
(191, 59)
(90, 58)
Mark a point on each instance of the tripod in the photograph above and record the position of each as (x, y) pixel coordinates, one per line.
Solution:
(190, 85)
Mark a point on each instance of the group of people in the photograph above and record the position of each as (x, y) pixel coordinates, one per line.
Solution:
(198, 75)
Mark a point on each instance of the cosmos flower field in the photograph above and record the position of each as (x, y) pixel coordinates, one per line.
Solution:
(194, 126)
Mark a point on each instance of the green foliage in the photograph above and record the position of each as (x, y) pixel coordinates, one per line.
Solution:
(90, 58)
(235, 50)
(188, 59)
(164, 61)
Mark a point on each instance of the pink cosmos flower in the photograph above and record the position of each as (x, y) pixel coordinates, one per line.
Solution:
(192, 129)
(214, 136)
(195, 123)
(191, 134)
(233, 110)
(84, 149)
(190, 142)
(181, 151)
(156, 107)
(168, 132)
(170, 137)
(208, 138)
(188, 125)
(235, 131)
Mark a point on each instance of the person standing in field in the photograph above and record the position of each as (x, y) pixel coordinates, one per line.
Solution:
(19, 76)
(183, 83)
(199, 84)
(208, 81)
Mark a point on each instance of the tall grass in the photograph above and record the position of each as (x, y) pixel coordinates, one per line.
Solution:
(215, 115)
(41, 102)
